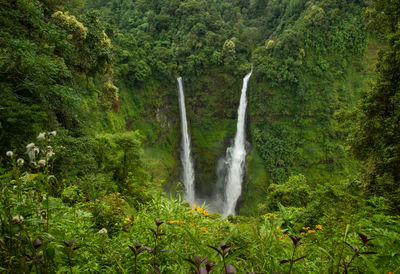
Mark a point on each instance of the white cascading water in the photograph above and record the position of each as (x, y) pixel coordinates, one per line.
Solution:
(236, 156)
(186, 158)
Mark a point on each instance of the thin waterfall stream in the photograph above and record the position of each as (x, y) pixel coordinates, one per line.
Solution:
(231, 167)
(186, 158)
(236, 155)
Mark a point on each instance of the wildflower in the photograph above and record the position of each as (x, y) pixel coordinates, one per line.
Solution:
(311, 231)
(30, 146)
(53, 133)
(42, 163)
(49, 153)
(171, 222)
(102, 231)
(306, 228)
(191, 211)
(41, 136)
(32, 151)
(20, 161)
(318, 227)
(302, 233)
(10, 154)
(18, 219)
(205, 230)
(177, 222)
(206, 213)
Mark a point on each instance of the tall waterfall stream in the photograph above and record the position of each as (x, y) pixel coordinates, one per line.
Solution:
(186, 158)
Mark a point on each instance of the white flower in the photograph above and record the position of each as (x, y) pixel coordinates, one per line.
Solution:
(54, 133)
(30, 146)
(32, 151)
(102, 231)
(20, 161)
(49, 153)
(10, 154)
(41, 136)
(42, 163)
(18, 219)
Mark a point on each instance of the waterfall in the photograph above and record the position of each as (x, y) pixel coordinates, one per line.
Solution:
(235, 159)
(187, 162)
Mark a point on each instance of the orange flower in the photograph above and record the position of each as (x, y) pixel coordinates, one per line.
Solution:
(311, 231)
(191, 211)
(205, 230)
(318, 227)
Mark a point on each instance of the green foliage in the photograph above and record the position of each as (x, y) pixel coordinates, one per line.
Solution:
(295, 193)
(375, 139)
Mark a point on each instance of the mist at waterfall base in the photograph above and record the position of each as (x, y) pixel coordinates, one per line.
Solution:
(186, 157)
(230, 167)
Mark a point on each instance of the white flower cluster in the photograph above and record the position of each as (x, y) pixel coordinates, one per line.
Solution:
(33, 151)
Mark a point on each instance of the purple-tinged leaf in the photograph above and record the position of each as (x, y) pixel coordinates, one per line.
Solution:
(152, 230)
(197, 259)
(352, 246)
(161, 234)
(298, 259)
(295, 240)
(368, 252)
(230, 269)
(284, 261)
(369, 244)
(158, 223)
(201, 270)
(37, 243)
(209, 265)
(227, 250)
(216, 249)
(165, 250)
(156, 269)
(143, 248)
(133, 250)
(137, 244)
(29, 257)
(364, 238)
(223, 245)
(72, 242)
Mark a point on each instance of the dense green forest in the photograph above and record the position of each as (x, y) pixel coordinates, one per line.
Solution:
(90, 135)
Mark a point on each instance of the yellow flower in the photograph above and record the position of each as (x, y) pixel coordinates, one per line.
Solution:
(190, 211)
(195, 206)
(302, 233)
(306, 228)
(311, 231)
(171, 222)
(318, 227)
(206, 213)
(177, 222)
(205, 230)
